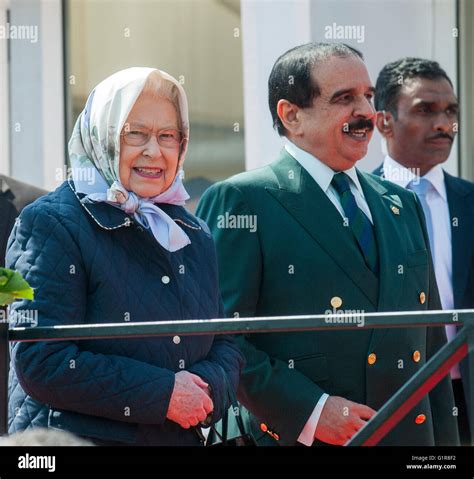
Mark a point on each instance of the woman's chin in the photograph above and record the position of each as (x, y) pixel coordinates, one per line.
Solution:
(148, 191)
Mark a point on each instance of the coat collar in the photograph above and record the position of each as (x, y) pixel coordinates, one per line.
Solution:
(389, 224)
(306, 202)
(300, 195)
(109, 217)
(106, 216)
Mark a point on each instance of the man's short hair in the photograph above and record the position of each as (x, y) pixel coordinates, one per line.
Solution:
(393, 75)
(290, 78)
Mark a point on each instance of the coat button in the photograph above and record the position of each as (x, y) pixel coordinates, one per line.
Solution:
(416, 356)
(422, 297)
(372, 358)
(176, 339)
(336, 302)
(420, 419)
(165, 279)
(263, 427)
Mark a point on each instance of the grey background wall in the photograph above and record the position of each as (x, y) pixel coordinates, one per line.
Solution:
(392, 29)
(32, 83)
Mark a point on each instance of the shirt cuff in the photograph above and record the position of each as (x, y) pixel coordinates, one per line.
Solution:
(307, 434)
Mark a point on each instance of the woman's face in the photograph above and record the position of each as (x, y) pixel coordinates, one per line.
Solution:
(149, 169)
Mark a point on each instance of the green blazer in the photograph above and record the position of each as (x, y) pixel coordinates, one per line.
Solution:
(283, 250)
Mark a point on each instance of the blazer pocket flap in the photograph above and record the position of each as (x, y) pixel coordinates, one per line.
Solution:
(418, 258)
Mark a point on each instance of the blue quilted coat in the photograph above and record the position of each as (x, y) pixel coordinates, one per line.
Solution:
(91, 263)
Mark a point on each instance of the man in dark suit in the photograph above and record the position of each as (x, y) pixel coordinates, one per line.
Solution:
(14, 196)
(418, 118)
(311, 234)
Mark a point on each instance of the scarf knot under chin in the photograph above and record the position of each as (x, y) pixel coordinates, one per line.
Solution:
(128, 201)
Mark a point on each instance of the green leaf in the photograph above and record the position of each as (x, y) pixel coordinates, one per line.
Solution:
(6, 299)
(13, 286)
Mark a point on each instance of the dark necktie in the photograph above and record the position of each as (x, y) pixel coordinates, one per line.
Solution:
(360, 225)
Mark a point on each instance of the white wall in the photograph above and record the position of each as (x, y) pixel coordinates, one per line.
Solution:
(4, 136)
(269, 27)
(197, 41)
(37, 94)
(52, 90)
(392, 29)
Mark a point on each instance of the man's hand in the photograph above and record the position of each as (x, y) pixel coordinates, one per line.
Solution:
(341, 419)
(189, 403)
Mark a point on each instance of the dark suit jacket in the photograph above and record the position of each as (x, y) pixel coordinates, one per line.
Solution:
(461, 210)
(14, 196)
(300, 258)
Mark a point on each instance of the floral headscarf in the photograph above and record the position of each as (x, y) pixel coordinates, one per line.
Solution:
(94, 152)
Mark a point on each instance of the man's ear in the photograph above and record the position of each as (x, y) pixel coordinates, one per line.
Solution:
(384, 121)
(288, 114)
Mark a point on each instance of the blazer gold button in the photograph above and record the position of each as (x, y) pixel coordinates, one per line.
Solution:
(264, 427)
(416, 356)
(372, 358)
(422, 297)
(420, 419)
(336, 302)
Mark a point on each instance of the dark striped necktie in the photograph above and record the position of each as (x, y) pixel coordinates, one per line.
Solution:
(360, 225)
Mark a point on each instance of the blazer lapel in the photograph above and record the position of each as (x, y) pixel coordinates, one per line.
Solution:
(302, 197)
(461, 234)
(388, 218)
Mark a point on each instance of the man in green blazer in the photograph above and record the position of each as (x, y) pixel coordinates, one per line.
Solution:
(311, 234)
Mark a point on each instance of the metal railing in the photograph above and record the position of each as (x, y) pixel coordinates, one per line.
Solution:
(383, 422)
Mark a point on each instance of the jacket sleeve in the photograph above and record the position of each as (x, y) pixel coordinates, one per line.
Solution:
(268, 388)
(60, 373)
(224, 358)
(441, 397)
(223, 365)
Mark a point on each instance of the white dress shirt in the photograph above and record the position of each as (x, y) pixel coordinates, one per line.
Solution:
(441, 249)
(323, 175)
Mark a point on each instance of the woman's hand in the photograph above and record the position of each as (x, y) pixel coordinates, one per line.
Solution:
(189, 403)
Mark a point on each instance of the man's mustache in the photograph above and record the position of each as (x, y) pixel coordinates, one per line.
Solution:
(361, 123)
(442, 135)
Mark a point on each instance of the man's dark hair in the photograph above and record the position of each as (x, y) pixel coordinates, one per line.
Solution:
(392, 76)
(290, 78)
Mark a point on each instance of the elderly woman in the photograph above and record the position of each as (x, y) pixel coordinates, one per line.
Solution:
(114, 244)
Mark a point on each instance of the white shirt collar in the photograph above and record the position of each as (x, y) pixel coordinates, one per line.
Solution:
(319, 171)
(436, 177)
(402, 176)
